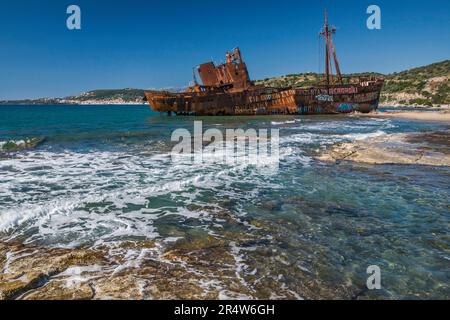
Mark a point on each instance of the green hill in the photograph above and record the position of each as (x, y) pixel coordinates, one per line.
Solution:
(428, 85)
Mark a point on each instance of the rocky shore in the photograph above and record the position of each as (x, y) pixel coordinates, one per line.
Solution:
(427, 148)
(129, 270)
(192, 268)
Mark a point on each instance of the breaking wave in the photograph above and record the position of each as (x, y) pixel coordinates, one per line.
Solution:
(72, 197)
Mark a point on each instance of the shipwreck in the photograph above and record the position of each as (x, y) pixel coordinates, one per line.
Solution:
(226, 89)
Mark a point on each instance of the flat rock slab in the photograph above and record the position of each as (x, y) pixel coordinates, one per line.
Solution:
(199, 268)
(429, 148)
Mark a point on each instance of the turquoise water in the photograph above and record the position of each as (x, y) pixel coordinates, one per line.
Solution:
(103, 174)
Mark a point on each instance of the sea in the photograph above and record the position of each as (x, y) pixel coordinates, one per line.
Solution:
(103, 174)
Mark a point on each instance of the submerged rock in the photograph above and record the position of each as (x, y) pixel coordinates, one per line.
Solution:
(27, 267)
(22, 144)
(198, 266)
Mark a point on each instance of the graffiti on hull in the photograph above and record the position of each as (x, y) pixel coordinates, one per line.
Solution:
(346, 107)
(324, 97)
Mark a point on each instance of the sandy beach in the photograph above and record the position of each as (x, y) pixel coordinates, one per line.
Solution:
(414, 115)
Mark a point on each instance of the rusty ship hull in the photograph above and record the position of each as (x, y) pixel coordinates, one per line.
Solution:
(270, 101)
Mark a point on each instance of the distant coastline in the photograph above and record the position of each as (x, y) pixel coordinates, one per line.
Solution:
(126, 96)
(423, 87)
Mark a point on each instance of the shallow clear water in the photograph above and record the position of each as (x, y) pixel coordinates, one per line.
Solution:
(104, 174)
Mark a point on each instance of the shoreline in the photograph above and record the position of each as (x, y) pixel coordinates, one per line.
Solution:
(199, 268)
(425, 115)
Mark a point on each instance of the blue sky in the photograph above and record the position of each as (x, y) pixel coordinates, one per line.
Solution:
(154, 44)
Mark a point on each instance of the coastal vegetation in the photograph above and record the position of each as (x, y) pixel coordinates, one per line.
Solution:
(427, 86)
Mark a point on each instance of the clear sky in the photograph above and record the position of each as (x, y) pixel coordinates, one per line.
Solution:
(154, 44)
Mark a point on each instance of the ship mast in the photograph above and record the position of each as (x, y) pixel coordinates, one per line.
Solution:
(327, 32)
(196, 87)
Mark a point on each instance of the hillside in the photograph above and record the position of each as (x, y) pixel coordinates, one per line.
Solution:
(424, 86)
(304, 79)
(428, 86)
(111, 96)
